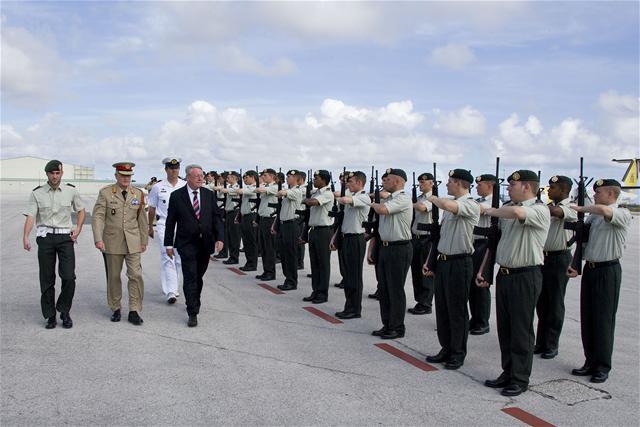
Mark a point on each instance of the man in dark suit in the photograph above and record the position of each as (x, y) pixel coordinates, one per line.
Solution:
(199, 233)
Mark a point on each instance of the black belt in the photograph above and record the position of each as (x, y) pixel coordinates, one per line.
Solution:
(554, 253)
(517, 270)
(591, 264)
(420, 236)
(289, 220)
(396, 243)
(352, 234)
(249, 214)
(445, 257)
(313, 227)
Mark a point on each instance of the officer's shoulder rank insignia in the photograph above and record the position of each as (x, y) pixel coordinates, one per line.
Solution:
(39, 186)
(71, 185)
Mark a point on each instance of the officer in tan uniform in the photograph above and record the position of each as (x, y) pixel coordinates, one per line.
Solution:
(120, 232)
(601, 277)
(50, 208)
(524, 223)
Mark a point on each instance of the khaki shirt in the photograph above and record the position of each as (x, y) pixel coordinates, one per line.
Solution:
(248, 192)
(397, 224)
(522, 242)
(232, 196)
(319, 215)
(266, 198)
(52, 207)
(607, 238)
(120, 224)
(456, 230)
(422, 217)
(291, 202)
(485, 220)
(356, 213)
(558, 236)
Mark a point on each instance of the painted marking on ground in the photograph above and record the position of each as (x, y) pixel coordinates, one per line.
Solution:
(406, 357)
(271, 288)
(526, 417)
(322, 315)
(237, 271)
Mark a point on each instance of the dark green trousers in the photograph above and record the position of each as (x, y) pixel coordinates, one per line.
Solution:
(422, 285)
(352, 254)
(516, 297)
(249, 230)
(550, 306)
(288, 235)
(50, 247)
(393, 263)
(267, 246)
(452, 316)
(479, 298)
(599, 294)
(232, 231)
(320, 259)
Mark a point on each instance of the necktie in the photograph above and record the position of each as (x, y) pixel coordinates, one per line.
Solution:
(196, 204)
(124, 194)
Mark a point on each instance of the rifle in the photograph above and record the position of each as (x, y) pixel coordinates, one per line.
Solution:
(278, 205)
(338, 213)
(256, 200)
(373, 219)
(433, 228)
(580, 229)
(486, 268)
(540, 189)
(305, 214)
(414, 198)
(238, 200)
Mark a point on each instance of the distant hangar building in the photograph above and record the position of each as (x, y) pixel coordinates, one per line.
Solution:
(20, 175)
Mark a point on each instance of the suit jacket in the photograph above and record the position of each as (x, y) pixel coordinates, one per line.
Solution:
(120, 224)
(190, 231)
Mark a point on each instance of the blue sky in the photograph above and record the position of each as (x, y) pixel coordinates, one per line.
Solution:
(322, 84)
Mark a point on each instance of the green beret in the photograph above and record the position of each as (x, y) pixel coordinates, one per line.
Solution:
(523, 175)
(486, 177)
(324, 174)
(425, 176)
(606, 183)
(462, 174)
(53, 165)
(561, 179)
(397, 172)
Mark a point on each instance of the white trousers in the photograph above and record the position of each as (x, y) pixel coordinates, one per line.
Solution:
(169, 268)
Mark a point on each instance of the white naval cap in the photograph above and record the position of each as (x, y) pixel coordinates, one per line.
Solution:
(171, 162)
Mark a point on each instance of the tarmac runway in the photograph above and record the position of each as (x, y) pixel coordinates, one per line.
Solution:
(260, 358)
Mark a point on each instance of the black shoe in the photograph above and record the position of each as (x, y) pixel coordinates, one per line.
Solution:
(268, 277)
(193, 321)
(318, 300)
(453, 364)
(599, 377)
(260, 276)
(549, 354)
(287, 287)
(339, 285)
(374, 295)
(538, 349)
(135, 318)
(479, 330)
(247, 268)
(347, 315)
(584, 371)
(220, 256)
(67, 322)
(51, 322)
(231, 262)
(379, 332)
(441, 357)
(502, 381)
(513, 390)
(115, 317)
(310, 297)
(420, 309)
(392, 334)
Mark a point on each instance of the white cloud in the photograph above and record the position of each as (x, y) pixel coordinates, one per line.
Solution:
(31, 70)
(622, 116)
(466, 122)
(232, 58)
(453, 55)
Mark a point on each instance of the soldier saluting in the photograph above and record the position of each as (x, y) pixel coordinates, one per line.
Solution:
(120, 232)
(50, 208)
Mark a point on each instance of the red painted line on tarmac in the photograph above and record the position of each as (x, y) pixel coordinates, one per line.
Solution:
(238, 272)
(526, 417)
(322, 315)
(271, 289)
(406, 357)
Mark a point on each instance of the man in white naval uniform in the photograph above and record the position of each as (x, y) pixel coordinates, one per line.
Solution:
(158, 205)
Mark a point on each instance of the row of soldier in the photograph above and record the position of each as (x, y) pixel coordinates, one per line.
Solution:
(447, 258)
